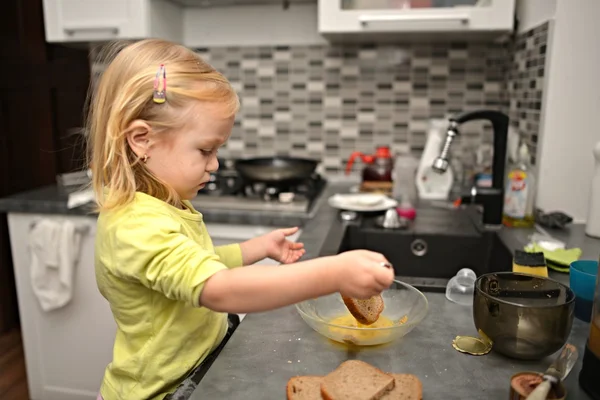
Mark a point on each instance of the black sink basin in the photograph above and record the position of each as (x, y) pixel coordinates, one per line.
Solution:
(431, 250)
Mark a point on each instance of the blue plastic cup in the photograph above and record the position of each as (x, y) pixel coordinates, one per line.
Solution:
(582, 281)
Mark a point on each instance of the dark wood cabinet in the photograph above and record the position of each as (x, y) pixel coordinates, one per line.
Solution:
(42, 95)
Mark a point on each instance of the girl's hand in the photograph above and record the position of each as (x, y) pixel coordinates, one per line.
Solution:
(362, 273)
(280, 249)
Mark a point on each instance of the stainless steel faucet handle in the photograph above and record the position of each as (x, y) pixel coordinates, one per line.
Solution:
(440, 164)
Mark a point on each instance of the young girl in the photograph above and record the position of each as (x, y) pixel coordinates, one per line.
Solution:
(157, 118)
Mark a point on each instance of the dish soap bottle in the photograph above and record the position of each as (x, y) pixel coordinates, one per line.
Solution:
(520, 192)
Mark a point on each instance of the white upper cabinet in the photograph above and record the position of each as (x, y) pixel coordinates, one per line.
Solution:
(101, 20)
(337, 17)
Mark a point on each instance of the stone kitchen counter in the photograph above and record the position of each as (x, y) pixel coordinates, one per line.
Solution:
(52, 199)
(268, 348)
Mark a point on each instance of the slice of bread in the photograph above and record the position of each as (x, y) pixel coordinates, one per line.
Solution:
(356, 380)
(304, 388)
(406, 387)
(365, 311)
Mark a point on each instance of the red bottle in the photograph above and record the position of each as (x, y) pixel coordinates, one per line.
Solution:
(377, 172)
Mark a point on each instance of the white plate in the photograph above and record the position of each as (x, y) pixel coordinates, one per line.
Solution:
(361, 202)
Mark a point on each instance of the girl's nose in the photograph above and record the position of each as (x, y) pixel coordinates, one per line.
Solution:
(212, 165)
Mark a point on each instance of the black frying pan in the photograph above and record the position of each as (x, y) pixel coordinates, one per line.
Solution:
(275, 169)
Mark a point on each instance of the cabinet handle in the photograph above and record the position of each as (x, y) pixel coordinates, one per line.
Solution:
(71, 30)
(365, 19)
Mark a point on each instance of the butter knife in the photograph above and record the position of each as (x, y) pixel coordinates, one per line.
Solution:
(556, 372)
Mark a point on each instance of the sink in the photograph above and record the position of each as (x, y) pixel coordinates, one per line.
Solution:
(431, 250)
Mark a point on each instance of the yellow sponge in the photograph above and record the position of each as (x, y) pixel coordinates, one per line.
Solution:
(530, 263)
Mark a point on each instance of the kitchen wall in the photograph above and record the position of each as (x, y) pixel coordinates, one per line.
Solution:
(525, 83)
(327, 101)
(533, 13)
(555, 117)
(570, 109)
(305, 97)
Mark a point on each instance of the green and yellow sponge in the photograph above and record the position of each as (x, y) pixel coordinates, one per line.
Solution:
(530, 263)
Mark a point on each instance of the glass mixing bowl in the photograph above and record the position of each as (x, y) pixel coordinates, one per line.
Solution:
(404, 308)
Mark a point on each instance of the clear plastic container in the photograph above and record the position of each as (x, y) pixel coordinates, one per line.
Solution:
(405, 171)
(461, 287)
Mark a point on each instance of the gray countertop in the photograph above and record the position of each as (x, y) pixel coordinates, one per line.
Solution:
(269, 348)
(52, 199)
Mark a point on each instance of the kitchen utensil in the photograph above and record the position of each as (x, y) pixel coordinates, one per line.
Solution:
(524, 383)
(526, 317)
(588, 377)
(391, 220)
(556, 373)
(582, 279)
(358, 202)
(348, 215)
(553, 220)
(275, 169)
(405, 308)
(460, 288)
(364, 199)
(475, 346)
(377, 172)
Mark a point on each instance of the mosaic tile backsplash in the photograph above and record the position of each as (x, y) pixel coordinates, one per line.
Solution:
(325, 102)
(525, 82)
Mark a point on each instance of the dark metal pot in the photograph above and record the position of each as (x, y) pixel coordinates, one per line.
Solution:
(525, 316)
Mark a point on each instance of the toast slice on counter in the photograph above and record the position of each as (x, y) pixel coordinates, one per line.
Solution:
(365, 311)
(356, 380)
(406, 387)
(304, 388)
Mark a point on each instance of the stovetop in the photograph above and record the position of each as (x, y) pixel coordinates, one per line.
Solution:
(227, 190)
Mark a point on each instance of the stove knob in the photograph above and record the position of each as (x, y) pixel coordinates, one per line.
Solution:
(269, 193)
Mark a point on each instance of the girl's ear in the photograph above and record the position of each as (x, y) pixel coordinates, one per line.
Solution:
(138, 137)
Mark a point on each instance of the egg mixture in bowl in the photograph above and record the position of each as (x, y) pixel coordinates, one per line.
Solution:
(404, 308)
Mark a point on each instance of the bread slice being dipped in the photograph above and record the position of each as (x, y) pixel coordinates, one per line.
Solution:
(365, 311)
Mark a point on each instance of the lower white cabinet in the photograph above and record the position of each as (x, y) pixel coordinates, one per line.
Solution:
(66, 350)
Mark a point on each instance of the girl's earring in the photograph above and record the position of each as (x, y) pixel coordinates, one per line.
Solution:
(145, 158)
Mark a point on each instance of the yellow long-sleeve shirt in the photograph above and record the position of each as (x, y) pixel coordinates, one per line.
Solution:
(151, 263)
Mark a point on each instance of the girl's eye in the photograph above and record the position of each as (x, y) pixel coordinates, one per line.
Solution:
(207, 152)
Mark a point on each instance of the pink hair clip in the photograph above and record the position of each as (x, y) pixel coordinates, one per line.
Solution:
(160, 85)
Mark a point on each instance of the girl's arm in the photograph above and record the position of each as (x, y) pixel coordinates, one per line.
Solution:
(261, 288)
(253, 250)
(273, 245)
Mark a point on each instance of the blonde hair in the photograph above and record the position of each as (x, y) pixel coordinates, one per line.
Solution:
(123, 94)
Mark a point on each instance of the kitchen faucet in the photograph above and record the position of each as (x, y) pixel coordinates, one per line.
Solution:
(491, 198)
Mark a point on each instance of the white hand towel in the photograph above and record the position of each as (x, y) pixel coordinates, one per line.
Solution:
(55, 247)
